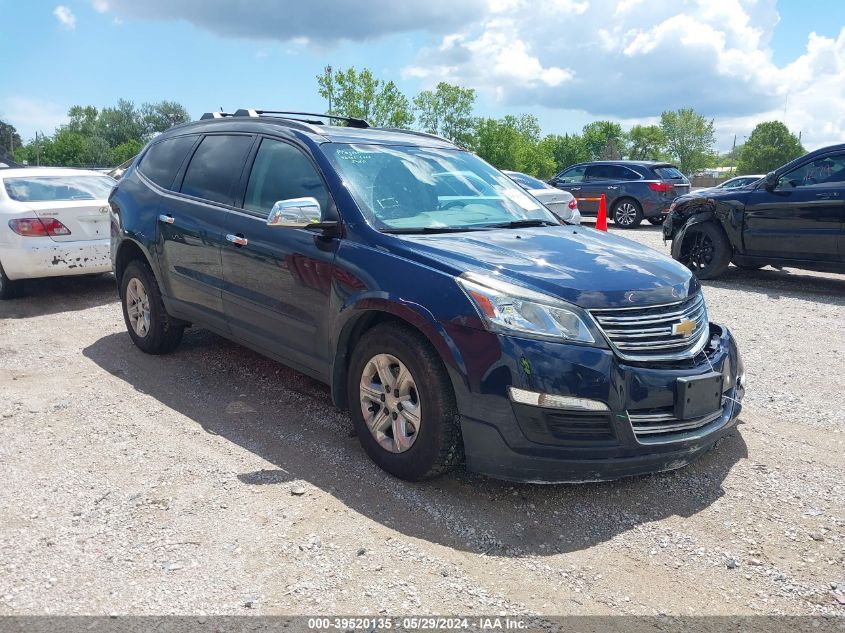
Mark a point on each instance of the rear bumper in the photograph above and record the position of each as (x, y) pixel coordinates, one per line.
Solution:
(34, 257)
(518, 442)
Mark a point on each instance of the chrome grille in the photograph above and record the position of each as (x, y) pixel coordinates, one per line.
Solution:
(644, 334)
(650, 424)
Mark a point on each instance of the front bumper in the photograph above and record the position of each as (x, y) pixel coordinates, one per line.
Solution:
(35, 257)
(534, 444)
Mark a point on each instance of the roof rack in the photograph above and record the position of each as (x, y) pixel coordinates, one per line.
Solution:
(416, 133)
(215, 115)
(350, 121)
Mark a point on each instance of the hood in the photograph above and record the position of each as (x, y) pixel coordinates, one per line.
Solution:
(589, 268)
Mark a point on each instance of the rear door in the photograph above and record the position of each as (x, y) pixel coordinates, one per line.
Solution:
(277, 280)
(802, 217)
(191, 224)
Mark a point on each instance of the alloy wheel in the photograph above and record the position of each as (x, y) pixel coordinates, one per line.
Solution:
(625, 214)
(390, 403)
(138, 307)
(700, 252)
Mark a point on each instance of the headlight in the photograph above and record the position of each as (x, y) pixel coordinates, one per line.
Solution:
(509, 308)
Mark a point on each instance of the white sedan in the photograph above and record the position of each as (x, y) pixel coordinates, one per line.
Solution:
(562, 203)
(53, 222)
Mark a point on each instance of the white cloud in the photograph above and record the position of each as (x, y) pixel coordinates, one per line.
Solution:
(30, 114)
(65, 16)
(100, 6)
(630, 60)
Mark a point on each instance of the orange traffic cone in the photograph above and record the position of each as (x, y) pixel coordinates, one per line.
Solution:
(601, 218)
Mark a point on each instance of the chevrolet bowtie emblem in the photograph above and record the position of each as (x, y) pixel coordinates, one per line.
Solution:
(685, 328)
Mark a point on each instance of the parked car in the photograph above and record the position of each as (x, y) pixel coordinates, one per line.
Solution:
(793, 217)
(452, 323)
(633, 190)
(53, 222)
(562, 203)
(733, 183)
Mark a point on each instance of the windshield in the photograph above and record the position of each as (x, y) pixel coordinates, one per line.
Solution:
(58, 188)
(423, 188)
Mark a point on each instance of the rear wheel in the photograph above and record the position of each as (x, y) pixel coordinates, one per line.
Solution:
(151, 328)
(402, 404)
(8, 289)
(705, 251)
(627, 214)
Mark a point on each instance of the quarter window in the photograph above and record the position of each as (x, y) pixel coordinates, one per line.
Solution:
(281, 172)
(163, 160)
(215, 167)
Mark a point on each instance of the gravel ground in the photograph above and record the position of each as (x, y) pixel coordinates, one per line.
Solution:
(215, 481)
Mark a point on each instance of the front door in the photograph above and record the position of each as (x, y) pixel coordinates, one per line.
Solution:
(599, 180)
(277, 280)
(190, 228)
(802, 217)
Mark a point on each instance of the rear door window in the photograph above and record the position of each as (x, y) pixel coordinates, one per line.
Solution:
(162, 161)
(215, 167)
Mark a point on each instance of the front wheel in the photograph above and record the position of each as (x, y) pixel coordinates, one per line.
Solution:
(402, 404)
(705, 251)
(627, 214)
(150, 327)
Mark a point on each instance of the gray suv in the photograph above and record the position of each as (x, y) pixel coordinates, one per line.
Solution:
(633, 189)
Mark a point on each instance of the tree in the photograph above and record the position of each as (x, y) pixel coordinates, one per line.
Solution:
(689, 139)
(119, 124)
(646, 142)
(604, 140)
(362, 96)
(10, 140)
(566, 150)
(513, 143)
(158, 117)
(770, 145)
(447, 111)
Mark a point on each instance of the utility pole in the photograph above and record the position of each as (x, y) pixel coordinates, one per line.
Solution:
(37, 151)
(330, 87)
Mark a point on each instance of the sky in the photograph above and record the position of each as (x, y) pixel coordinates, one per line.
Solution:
(569, 62)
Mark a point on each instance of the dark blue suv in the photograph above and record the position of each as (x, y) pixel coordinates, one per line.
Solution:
(452, 314)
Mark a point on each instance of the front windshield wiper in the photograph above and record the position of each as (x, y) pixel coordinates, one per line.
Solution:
(517, 224)
(436, 229)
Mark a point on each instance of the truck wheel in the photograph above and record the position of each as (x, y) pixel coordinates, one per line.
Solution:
(627, 214)
(402, 404)
(150, 327)
(8, 289)
(705, 251)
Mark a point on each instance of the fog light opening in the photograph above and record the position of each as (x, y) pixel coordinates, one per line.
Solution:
(551, 401)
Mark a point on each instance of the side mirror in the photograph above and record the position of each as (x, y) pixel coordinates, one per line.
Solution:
(295, 213)
(771, 180)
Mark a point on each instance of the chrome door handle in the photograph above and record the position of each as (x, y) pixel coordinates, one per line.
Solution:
(237, 240)
(167, 219)
(827, 196)
(612, 187)
(574, 188)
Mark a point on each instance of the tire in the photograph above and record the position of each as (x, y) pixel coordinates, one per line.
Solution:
(8, 289)
(705, 251)
(150, 327)
(417, 435)
(657, 220)
(627, 213)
